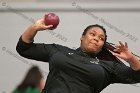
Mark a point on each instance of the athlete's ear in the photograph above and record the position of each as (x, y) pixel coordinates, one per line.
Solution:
(82, 37)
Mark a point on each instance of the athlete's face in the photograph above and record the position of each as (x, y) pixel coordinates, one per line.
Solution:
(93, 40)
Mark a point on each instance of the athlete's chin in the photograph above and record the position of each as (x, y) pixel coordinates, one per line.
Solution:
(92, 50)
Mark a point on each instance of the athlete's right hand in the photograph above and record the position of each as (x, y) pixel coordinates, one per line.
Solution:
(39, 25)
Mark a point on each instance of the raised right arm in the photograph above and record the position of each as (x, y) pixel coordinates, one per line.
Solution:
(36, 51)
(29, 34)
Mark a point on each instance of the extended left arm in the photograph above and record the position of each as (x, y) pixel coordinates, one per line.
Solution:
(134, 62)
(127, 55)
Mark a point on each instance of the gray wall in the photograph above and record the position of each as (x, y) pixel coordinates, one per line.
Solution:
(120, 18)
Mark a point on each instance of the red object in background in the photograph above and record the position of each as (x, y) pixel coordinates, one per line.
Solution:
(51, 19)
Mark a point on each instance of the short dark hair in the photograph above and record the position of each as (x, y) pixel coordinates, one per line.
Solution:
(96, 25)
